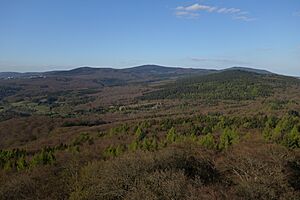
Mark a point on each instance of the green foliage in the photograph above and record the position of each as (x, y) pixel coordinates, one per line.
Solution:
(228, 138)
(140, 134)
(166, 124)
(21, 164)
(172, 135)
(11, 159)
(271, 122)
(267, 133)
(45, 157)
(284, 126)
(144, 124)
(207, 130)
(120, 129)
(133, 146)
(208, 141)
(292, 139)
(228, 85)
(277, 104)
(253, 122)
(284, 131)
(149, 144)
(19, 159)
(113, 151)
(293, 113)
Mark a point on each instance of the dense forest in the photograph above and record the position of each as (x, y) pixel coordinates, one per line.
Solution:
(229, 85)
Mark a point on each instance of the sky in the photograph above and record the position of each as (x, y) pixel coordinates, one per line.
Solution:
(42, 35)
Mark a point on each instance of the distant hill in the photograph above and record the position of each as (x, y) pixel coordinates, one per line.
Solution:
(139, 73)
(246, 69)
(156, 69)
(81, 71)
(143, 73)
(8, 75)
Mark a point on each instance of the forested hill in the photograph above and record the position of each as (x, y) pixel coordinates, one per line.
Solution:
(139, 72)
(133, 73)
(226, 85)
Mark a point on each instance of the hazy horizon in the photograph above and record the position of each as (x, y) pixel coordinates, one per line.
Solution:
(207, 34)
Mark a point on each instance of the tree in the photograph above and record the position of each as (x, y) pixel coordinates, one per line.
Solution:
(267, 133)
(133, 146)
(45, 157)
(292, 139)
(21, 164)
(228, 138)
(140, 134)
(208, 141)
(172, 136)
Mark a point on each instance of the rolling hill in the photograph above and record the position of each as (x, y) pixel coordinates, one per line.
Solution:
(230, 84)
(247, 69)
(139, 72)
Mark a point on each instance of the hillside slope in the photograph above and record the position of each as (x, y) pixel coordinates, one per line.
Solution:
(226, 85)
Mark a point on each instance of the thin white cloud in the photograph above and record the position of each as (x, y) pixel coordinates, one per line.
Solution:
(195, 9)
(186, 14)
(244, 18)
(229, 10)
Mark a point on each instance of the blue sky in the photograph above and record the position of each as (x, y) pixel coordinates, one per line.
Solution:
(40, 35)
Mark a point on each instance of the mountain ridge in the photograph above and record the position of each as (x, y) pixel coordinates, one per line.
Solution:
(142, 70)
(248, 69)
